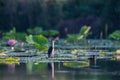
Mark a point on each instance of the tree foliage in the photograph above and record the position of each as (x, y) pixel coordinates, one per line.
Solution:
(48, 14)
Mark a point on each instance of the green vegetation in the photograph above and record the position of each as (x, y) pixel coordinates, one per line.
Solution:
(38, 30)
(38, 41)
(10, 35)
(13, 34)
(35, 31)
(50, 33)
(84, 31)
(115, 35)
(58, 14)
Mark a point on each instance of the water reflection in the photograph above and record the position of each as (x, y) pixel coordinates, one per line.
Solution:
(11, 68)
(29, 67)
(43, 69)
(92, 60)
(51, 70)
(57, 71)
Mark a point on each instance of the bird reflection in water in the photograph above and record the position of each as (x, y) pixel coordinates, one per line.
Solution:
(51, 70)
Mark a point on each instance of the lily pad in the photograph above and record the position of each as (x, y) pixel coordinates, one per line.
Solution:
(77, 64)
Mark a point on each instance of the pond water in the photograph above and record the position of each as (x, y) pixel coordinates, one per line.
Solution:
(103, 70)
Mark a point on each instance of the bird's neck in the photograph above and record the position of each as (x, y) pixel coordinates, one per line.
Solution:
(53, 43)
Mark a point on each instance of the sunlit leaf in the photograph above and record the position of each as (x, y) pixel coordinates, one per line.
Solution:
(29, 39)
(38, 41)
(115, 35)
(84, 31)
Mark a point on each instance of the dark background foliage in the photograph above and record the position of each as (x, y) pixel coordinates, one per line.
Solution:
(67, 16)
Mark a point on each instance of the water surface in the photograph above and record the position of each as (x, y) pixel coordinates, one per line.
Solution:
(103, 70)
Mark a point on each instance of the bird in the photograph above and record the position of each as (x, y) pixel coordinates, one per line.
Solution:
(51, 48)
(50, 51)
